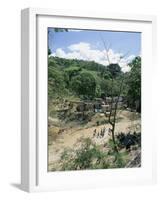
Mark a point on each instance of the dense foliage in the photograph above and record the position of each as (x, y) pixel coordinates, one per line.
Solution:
(87, 79)
(134, 84)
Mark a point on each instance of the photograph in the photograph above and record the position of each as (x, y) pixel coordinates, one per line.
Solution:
(94, 99)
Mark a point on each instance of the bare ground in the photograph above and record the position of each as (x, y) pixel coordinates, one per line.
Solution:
(69, 137)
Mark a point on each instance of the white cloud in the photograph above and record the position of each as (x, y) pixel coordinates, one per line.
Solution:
(82, 46)
(84, 51)
(60, 53)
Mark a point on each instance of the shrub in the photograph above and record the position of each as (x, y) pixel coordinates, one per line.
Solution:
(89, 156)
(128, 140)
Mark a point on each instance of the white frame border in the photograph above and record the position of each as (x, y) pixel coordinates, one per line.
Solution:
(29, 148)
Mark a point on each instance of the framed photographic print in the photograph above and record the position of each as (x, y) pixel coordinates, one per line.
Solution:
(86, 106)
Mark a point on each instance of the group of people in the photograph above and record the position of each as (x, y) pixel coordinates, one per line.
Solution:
(99, 134)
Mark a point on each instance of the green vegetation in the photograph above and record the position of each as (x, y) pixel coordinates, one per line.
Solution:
(87, 79)
(88, 156)
(134, 84)
(92, 156)
(76, 94)
(84, 84)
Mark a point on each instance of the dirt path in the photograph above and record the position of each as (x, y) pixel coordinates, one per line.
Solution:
(68, 139)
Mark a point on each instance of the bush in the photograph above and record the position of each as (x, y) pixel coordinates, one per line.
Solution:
(89, 156)
(128, 140)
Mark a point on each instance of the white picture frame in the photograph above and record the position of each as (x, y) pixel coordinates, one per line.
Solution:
(34, 176)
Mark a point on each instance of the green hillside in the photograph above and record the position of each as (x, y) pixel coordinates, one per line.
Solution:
(83, 79)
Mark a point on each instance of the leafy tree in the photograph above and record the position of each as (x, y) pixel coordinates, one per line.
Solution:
(49, 51)
(134, 84)
(105, 86)
(98, 91)
(107, 75)
(84, 84)
(114, 69)
(72, 71)
(56, 84)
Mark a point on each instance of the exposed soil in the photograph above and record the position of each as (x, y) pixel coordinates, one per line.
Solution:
(69, 137)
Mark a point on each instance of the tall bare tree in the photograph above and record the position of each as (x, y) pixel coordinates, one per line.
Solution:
(112, 122)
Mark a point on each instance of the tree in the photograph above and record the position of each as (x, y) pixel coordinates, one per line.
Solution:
(72, 71)
(114, 69)
(106, 87)
(84, 84)
(114, 116)
(49, 51)
(134, 84)
(56, 84)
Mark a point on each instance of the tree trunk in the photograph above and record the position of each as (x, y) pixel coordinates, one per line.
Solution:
(114, 119)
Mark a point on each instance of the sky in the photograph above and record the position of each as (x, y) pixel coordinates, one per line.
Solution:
(121, 47)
